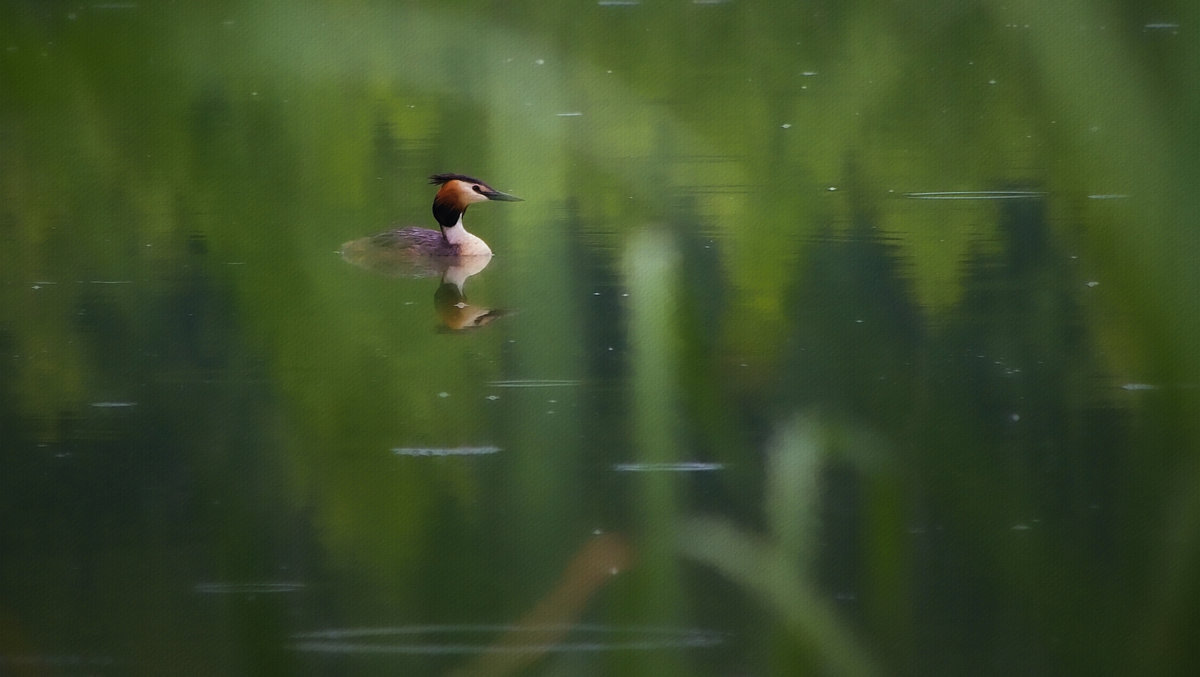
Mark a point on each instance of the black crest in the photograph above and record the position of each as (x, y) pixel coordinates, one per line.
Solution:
(439, 179)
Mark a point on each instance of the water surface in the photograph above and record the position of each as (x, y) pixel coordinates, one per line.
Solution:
(830, 337)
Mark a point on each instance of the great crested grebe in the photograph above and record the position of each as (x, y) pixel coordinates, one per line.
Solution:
(457, 192)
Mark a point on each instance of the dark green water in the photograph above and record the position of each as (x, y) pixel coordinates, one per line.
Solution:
(830, 338)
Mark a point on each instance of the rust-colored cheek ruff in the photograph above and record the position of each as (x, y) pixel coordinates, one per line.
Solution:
(453, 194)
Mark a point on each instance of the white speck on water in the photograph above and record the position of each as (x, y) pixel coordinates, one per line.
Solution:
(492, 397)
(1014, 417)
(1092, 283)
(786, 125)
(572, 114)
(443, 394)
(1021, 527)
(1139, 386)
(539, 62)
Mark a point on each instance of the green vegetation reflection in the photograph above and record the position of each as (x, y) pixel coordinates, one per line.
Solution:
(174, 185)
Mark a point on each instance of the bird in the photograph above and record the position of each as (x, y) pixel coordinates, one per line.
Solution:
(457, 192)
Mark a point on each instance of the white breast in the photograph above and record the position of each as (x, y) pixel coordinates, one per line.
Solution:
(468, 244)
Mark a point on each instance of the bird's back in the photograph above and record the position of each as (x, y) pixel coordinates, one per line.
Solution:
(414, 239)
(402, 252)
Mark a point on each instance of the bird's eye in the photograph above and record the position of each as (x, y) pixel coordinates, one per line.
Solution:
(477, 189)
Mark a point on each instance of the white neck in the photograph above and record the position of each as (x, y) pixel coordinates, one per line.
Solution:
(468, 244)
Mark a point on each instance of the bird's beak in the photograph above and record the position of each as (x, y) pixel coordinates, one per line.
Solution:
(500, 197)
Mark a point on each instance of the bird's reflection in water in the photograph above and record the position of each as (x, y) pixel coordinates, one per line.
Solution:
(455, 313)
(453, 309)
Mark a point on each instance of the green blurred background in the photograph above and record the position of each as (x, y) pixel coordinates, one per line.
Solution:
(864, 332)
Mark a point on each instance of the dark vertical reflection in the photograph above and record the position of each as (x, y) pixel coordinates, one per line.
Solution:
(1008, 460)
(1015, 422)
(157, 484)
(389, 172)
(855, 332)
(854, 354)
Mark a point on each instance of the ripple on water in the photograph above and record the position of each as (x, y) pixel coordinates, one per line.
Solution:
(536, 383)
(445, 451)
(472, 639)
(976, 195)
(247, 588)
(685, 466)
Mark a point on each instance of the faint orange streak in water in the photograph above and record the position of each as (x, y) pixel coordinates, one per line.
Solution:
(544, 625)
